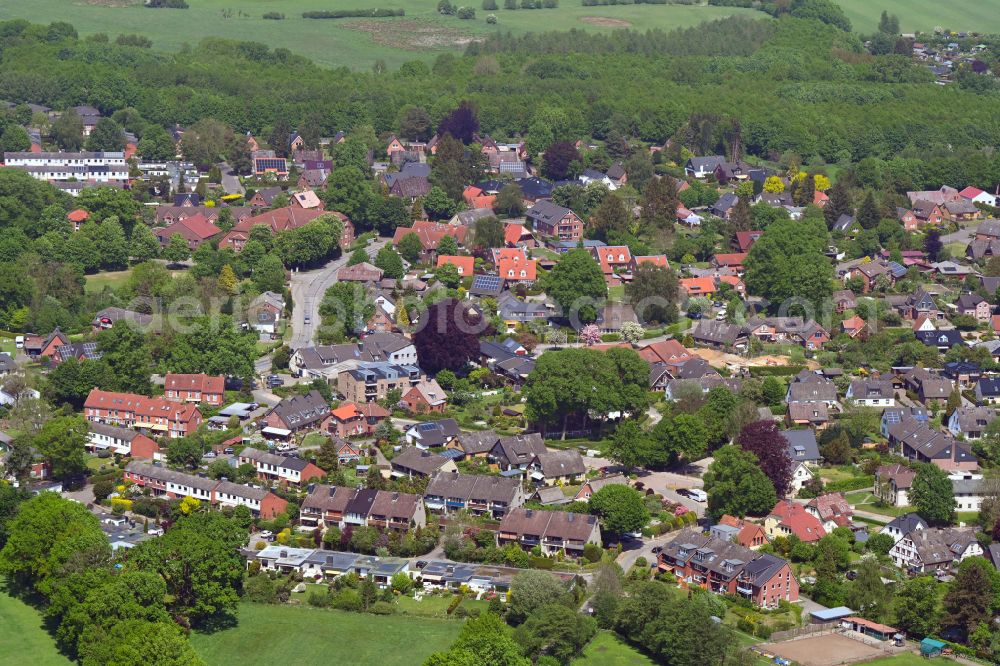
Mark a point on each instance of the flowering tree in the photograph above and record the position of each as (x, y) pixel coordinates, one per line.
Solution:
(632, 332)
(590, 334)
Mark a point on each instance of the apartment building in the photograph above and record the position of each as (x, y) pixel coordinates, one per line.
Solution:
(724, 567)
(373, 381)
(101, 167)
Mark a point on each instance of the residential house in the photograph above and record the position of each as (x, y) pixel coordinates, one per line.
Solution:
(121, 441)
(494, 496)
(749, 535)
(939, 196)
(129, 410)
(900, 526)
(464, 265)
(959, 211)
(517, 235)
(975, 195)
(935, 550)
(413, 462)
(516, 451)
(789, 518)
(298, 413)
(832, 509)
(363, 272)
(474, 444)
(893, 483)
(591, 486)
(974, 305)
(430, 235)
(555, 221)
(854, 327)
(513, 265)
(552, 531)
(81, 351)
(356, 419)
(988, 390)
(277, 220)
(927, 212)
(872, 393)
(432, 434)
(283, 470)
(809, 415)
(425, 397)
(195, 230)
(930, 389)
(194, 388)
(943, 339)
(916, 440)
(724, 567)
(557, 467)
(971, 422)
(702, 167)
(719, 335)
(964, 374)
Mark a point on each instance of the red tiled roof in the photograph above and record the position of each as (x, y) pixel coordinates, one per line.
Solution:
(512, 233)
(78, 215)
(430, 233)
(511, 262)
(140, 405)
(465, 265)
(800, 522)
(664, 351)
(970, 192)
(820, 198)
(746, 239)
(279, 219)
(731, 259)
(702, 285)
(653, 259)
(200, 382)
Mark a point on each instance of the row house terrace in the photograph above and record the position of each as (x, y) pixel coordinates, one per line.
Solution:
(552, 531)
(280, 469)
(171, 484)
(157, 415)
(449, 492)
(335, 506)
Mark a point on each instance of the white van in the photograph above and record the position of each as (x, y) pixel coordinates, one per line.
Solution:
(698, 495)
(19, 342)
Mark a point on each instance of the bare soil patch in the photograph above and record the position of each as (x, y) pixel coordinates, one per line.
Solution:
(410, 35)
(721, 359)
(606, 22)
(826, 650)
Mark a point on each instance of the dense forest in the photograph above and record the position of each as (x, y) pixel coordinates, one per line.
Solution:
(792, 85)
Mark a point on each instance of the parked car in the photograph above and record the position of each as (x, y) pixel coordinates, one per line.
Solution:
(657, 550)
(229, 451)
(308, 319)
(210, 454)
(266, 535)
(698, 495)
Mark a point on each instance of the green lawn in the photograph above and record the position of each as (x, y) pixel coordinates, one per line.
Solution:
(301, 635)
(925, 15)
(22, 637)
(910, 659)
(98, 281)
(608, 650)
(353, 43)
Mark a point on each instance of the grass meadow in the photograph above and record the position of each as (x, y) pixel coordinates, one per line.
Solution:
(23, 639)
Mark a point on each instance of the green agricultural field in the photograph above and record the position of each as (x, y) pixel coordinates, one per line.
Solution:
(303, 635)
(353, 43)
(925, 15)
(114, 279)
(910, 659)
(22, 638)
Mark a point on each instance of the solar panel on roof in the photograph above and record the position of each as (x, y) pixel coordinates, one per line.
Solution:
(427, 426)
(486, 282)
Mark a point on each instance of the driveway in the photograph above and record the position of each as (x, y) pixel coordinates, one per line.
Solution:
(230, 181)
(308, 289)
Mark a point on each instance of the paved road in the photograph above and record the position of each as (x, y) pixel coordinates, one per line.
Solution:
(230, 181)
(308, 289)
(963, 235)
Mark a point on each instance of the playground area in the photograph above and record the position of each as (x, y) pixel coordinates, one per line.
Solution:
(829, 649)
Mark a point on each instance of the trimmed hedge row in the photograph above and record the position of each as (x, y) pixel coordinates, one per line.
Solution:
(776, 370)
(353, 13)
(857, 483)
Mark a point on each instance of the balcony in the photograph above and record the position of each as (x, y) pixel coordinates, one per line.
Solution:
(742, 588)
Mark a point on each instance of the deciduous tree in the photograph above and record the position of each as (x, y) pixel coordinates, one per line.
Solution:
(620, 508)
(448, 336)
(736, 485)
(931, 495)
(765, 441)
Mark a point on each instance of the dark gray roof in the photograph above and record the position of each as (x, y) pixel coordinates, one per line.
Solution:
(802, 446)
(300, 411)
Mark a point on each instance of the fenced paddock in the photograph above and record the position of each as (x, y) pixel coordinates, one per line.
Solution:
(825, 649)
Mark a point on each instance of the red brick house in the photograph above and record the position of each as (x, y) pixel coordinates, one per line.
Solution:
(194, 388)
(52, 343)
(550, 219)
(283, 470)
(751, 535)
(430, 235)
(426, 397)
(279, 219)
(354, 420)
(158, 415)
(195, 230)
